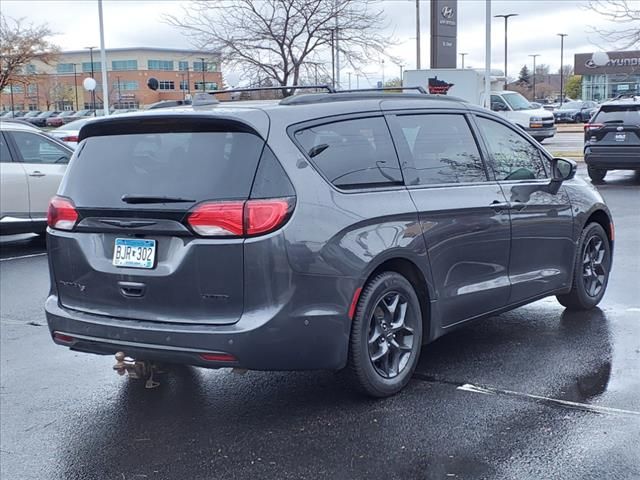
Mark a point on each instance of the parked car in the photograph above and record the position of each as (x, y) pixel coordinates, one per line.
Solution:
(612, 138)
(13, 114)
(41, 119)
(58, 120)
(31, 114)
(326, 231)
(69, 133)
(575, 111)
(78, 115)
(31, 168)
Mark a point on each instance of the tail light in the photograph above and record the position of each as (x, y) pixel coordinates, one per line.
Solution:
(238, 219)
(71, 138)
(62, 214)
(592, 126)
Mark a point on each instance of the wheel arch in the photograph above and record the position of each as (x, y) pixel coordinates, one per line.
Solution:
(408, 269)
(605, 221)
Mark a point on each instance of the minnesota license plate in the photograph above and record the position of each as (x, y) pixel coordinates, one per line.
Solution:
(134, 253)
(621, 137)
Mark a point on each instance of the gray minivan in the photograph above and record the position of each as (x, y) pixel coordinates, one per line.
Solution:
(323, 231)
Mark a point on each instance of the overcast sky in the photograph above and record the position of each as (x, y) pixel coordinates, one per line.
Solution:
(139, 23)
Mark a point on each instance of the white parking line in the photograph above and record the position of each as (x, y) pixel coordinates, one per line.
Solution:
(22, 256)
(467, 387)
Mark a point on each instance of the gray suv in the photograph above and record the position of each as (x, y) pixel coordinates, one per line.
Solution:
(337, 231)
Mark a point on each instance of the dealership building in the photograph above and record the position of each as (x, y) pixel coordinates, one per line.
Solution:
(620, 75)
(58, 86)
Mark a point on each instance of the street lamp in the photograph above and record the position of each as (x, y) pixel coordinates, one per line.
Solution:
(506, 21)
(383, 73)
(562, 35)
(93, 92)
(75, 85)
(401, 79)
(463, 55)
(534, 56)
(417, 34)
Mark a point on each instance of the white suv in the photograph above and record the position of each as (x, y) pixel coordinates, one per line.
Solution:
(31, 167)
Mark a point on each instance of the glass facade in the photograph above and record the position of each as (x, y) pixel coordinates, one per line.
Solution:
(603, 86)
(86, 67)
(160, 65)
(64, 68)
(183, 66)
(208, 86)
(127, 85)
(209, 66)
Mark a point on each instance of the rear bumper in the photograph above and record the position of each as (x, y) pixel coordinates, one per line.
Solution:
(539, 133)
(627, 160)
(281, 341)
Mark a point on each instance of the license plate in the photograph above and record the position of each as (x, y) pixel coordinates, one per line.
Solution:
(134, 253)
(621, 137)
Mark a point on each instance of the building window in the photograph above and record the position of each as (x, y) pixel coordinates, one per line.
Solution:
(160, 64)
(30, 69)
(13, 88)
(32, 89)
(184, 85)
(208, 66)
(128, 85)
(65, 68)
(167, 85)
(33, 106)
(86, 67)
(208, 86)
(89, 105)
(129, 104)
(183, 66)
(120, 65)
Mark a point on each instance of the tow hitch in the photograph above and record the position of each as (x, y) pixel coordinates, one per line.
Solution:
(137, 369)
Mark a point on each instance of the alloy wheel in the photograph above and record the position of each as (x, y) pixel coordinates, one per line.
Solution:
(594, 270)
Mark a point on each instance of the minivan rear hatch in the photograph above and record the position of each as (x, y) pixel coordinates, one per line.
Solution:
(135, 184)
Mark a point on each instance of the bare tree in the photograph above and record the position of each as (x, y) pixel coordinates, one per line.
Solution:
(21, 43)
(567, 70)
(282, 40)
(626, 16)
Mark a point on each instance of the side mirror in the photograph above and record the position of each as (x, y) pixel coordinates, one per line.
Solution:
(563, 169)
(498, 107)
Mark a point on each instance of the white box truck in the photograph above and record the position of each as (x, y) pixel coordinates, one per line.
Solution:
(468, 85)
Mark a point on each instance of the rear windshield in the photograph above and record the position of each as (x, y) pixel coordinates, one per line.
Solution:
(189, 165)
(626, 114)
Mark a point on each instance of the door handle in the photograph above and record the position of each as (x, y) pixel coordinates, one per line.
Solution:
(37, 173)
(500, 206)
(518, 206)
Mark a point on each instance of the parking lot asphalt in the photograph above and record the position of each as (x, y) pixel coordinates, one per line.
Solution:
(537, 393)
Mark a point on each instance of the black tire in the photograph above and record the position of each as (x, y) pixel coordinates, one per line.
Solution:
(587, 267)
(596, 174)
(375, 327)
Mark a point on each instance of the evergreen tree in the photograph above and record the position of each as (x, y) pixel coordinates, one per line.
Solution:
(524, 76)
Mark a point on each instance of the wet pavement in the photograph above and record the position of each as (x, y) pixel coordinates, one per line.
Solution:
(565, 142)
(537, 393)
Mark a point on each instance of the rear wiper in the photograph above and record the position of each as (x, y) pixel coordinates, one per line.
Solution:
(135, 199)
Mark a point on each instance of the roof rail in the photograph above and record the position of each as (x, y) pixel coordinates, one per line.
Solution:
(328, 88)
(365, 94)
(383, 89)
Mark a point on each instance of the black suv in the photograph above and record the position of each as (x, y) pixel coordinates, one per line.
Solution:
(612, 139)
(324, 231)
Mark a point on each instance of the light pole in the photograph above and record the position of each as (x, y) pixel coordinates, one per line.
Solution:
(383, 73)
(75, 85)
(417, 34)
(534, 56)
(401, 79)
(506, 22)
(462, 55)
(93, 92)
(203, 87)
(119, 93)
(562, 35)
(349, 73)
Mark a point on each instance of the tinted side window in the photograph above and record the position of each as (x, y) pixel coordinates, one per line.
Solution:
(37, 149)
(5, 155)
(271, 180)
(353, 153)
(514, 158)
(441, 149)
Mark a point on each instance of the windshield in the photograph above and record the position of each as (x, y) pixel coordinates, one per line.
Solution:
(571, 106)
(517, 101)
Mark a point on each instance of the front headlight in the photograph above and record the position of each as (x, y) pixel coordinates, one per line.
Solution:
(535, 120)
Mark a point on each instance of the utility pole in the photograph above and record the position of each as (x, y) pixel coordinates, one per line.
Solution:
(75, 85)
(417, 34)
(534, 56)
(506, 22)
(562, 35)
(93, 92)
(462, 55)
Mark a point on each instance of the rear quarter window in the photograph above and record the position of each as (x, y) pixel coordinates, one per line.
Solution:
(351, 154)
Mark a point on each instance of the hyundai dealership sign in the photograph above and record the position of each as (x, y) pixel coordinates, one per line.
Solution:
(619, 62)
